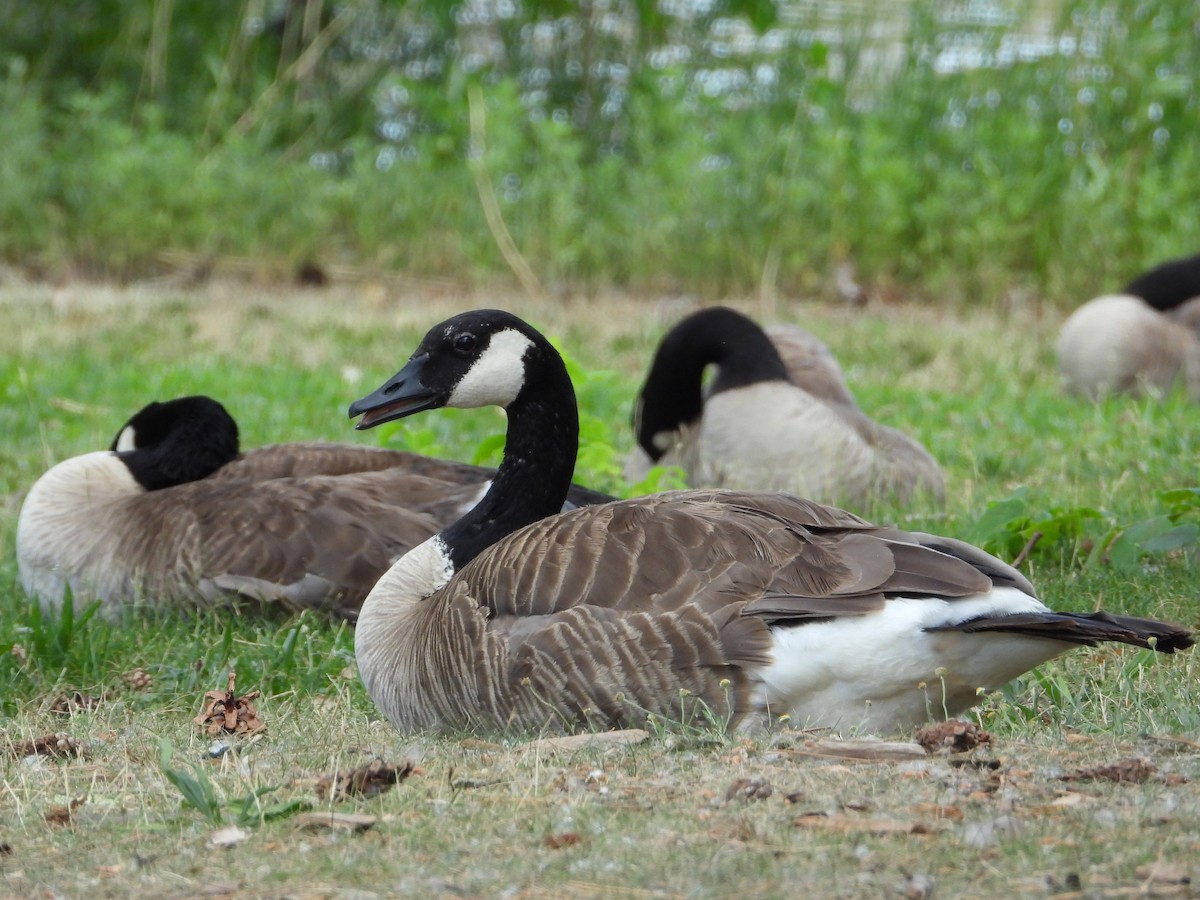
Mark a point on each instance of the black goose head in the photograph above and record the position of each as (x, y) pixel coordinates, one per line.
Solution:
(483, 358)
(176, 441)
(477, 358)
(672, 395)
(1169, 285)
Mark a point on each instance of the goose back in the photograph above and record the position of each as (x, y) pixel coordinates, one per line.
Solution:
(286, 526)
(798, 430)
(1119, 344)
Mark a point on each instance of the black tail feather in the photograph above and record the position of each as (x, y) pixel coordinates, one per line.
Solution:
(1087, 629)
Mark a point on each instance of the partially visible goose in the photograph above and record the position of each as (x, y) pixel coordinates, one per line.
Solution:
(1145, 340)
(753, 604)
(1170, 285)
(173, 514)
(777, 416)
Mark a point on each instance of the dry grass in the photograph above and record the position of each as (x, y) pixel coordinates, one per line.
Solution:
(687, 813)
(672, 817)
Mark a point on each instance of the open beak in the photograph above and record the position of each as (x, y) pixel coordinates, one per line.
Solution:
(401, 395)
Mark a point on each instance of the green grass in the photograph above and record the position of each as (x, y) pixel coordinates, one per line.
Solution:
(652, 820)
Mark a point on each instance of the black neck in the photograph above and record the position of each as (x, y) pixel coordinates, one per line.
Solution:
(539, 461)
(673, 393)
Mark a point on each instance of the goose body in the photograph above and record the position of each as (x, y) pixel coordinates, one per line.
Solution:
(778, 416)
(1118, 344)
(1145, 340)
(174, 514)
(737, 605)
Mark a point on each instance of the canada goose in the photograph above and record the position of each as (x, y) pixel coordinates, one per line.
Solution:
(777, 416)
(173, 514)
(754, 604)
(1144, 340)
(1168, 286)
(1118, 344)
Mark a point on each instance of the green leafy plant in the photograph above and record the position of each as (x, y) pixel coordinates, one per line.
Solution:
(1176, 529)
(197, 789)
(1013, 526)
(199, 793)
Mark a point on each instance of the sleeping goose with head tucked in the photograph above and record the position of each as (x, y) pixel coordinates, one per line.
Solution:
(777, 415)
(174, 514)
(754, 605)
(1144, 340)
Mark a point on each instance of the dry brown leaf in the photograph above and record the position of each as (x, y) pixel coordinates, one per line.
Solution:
(939, 811)
(226, 713)
(476, 744)
(862, 751)
(365, 781)
(559, 841)
(1175, 740)
(1133, 770)
(749, 789)
(1161, 872)
(572, 742)
(952, 736)
(63, 815)
(1071, 798)
(853, 824)
(334, 821)
(59, 745)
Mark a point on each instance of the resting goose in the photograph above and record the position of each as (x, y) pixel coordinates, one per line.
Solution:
(1142, 341)
(777, 416)
(173, 514)
(752, 604)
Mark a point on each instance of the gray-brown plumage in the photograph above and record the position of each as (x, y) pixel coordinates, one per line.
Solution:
(1120, 345)
(725, 605)
(174, 515)
(1145, 340)
(778, 415)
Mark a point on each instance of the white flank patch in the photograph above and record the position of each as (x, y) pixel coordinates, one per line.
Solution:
(127, 439)
(389, 663)
(497, 376)
(887, 672)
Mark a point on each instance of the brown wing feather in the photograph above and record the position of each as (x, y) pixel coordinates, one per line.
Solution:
(339, 532)
(302, 525)
(302, 459)
(811, 364)
(631, 602)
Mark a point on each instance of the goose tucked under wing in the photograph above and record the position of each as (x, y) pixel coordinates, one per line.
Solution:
(174, 515)
(778, 415)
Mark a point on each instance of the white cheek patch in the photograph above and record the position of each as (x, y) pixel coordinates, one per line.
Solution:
(126, 440)
(497, 376)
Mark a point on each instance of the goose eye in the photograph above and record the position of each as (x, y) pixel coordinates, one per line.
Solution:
(465, 342)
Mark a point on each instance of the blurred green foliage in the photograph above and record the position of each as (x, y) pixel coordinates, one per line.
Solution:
(960, 152)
